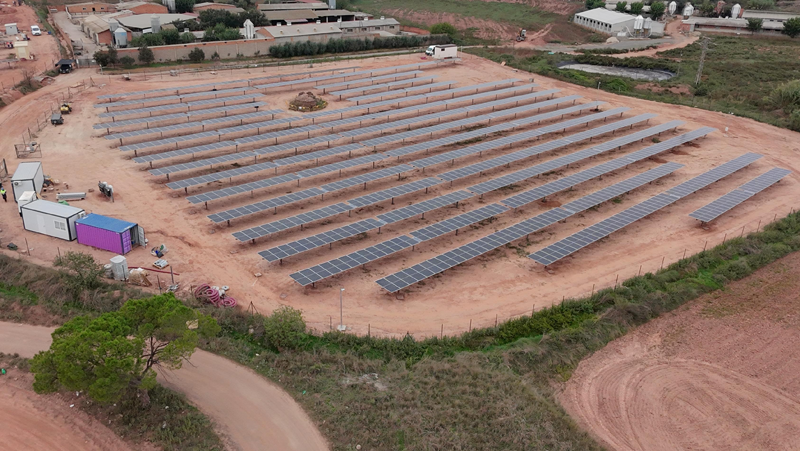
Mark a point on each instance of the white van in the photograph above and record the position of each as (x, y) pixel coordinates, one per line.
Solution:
(35, 30)
(429, 51)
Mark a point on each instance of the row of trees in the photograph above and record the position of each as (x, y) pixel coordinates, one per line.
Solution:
(656, 8)
(291, 49)
(213, 17)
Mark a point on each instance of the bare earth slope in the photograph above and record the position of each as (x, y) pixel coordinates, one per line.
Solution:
(252, 413)
(719, 373)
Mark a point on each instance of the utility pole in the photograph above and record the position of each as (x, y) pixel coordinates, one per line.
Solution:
(341, 326)
(704, 47)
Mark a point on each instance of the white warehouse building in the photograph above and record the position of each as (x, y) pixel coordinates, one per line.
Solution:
(612, 23)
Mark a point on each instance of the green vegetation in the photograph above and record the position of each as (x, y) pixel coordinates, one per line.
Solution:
(184, 6)
(761, 4)
(791, 27)
(221, 33)
(112, 357)
(755, 25)
(197, 55)
(127, 62)
(739, 75)
(592, 4)
(444, 28)
(621, 6)
(307, 48)
(657, 10)
(146, 55)
(210, 18)
(636, 8)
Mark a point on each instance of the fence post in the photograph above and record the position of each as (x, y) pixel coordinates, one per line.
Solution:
(758, 226)
(592, 291)
(441, 333)
(470, 325)
(742, 232)
(662, 262)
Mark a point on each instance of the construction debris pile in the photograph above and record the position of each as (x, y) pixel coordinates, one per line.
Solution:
(214, 295)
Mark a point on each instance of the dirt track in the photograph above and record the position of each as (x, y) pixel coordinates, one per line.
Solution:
(250, 412)
(720, 373)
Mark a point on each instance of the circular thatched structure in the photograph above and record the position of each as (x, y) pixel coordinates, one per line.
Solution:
(307, 101)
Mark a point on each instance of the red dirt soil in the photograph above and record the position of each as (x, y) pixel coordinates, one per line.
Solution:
(719, 373)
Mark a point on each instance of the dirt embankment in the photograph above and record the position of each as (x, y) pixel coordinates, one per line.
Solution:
(251, 412)
(720, 373)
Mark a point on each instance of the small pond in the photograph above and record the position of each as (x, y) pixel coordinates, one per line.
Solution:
(636, 74)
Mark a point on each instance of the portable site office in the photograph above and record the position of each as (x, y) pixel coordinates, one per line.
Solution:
(51, 219)
(27, 177)
(109, 234)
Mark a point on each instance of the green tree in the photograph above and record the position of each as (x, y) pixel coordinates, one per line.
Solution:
(657, 10)
(187, 38)
(79, 271)
(127, 62)
(791, 27)
(148, 40)
(444, 28)
(761, 4)
(170, 36)
(755, 25)
(197, 55)
(221, 33)
(115, 355)
(255, 16)
(146, 55)
(594, 4)
(184, 6)
(285, 328)
(636, 8)
(102, 58)
(621, 6)
(706, 9)
(113, 56)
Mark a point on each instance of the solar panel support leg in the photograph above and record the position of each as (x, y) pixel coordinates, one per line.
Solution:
(206, 203)
(379, 230)
(229, 222)
(456, 232)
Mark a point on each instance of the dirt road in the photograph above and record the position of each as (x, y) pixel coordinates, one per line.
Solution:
(252, 413)
(720, 373)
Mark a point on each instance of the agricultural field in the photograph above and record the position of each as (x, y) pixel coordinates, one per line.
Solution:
(740, 76)
(487, 21)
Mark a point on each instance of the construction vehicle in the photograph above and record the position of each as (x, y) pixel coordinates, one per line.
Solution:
(521, 36)
(106, 189)
(66, 108)
(56, 119)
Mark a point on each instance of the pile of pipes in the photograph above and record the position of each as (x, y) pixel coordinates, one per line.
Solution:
(214, 295)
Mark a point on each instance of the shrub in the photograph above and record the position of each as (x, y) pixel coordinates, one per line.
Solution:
(657, 9)
(791, 27)
(787, 96)
(621, 6)
(285, 329)
(636, 8)
(754, 25)
(184, 6)
(187, 38)
(170, 36)
(146, 55)
(443, 28)
(80, 272)
(760, 4)
(127, 62)
(197, 55)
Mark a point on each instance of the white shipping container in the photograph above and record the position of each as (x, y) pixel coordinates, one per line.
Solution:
(445, 51)
(51, 219)
(28, 177)
(26, 198)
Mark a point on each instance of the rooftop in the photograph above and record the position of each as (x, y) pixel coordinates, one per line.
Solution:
(768, 15)
(333, 12)
(302, 30)
(105, 223)
(95, 24)
(53, 208)
(369, 23)
(290, 6)
(142, 21)
(605, 16)
(295, 14)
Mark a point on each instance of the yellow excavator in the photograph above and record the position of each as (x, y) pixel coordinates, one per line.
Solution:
(66, 108)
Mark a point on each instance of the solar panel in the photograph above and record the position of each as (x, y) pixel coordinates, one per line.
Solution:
(452, 224)
(380, 196)
(294, 145)
(172, 97)
(602, 229)
(381, 95)
(306, 244)
(244, 188)
(371, 80)
(185, 151)
(206, 123)
(574, 157)
(347, 148)
(230, 173)
(268, 204)
(389, 85)
(721, 205)
(360, 257)
(292, 221)
(364, 178)
(166, 117)
(341, 165)
(423, 207)
(166, 170)
(173, 106)
(174, 140)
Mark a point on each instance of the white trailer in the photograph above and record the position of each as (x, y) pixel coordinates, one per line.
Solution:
(27, 177)
(445, 51)
(26, 198)
(11, 29)
(51, 219)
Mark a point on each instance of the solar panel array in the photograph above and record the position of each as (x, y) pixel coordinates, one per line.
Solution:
(452, 224)
(390, 193)
(331, 151)
(292, 221)
(409, 276)
(371, 80)
(172, 106)
(574, 157)
(306, 244)
(406, 91)
(365, 178)
(230, 173)
(208, 122)
(387, 86)
(540, 192)
(268, 204)
(723, 204)
(184, 152)
(173, 97)
(213, 85)
(187, 115)
(602, 229)
(340, 165)
(423, 207)
(361, 257)
(244, 188)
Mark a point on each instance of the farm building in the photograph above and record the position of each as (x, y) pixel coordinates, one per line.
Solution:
(380, 26)
(211, 5)
(98, 29)
(290, 17)
(614, 23)
(728, 26)
(142, 7)
(313, 32)
(89, 8)
(51, 219)
(111, 234)
(264, 6)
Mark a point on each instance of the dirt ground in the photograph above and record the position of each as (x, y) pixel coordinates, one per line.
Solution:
(250, 412)
(498, 285)
(33, 422)
(719, 373)
(44, 48)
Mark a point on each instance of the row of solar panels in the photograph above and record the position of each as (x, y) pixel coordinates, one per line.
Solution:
(403, 92)
(326, 126)
(247, 154)
(219, 83)
(185, 115)
(580, 177)
(255, 208)
(186, 106)
(217, 121)
(178, 98)
(387, 87)
(715, 209)
(319, 272)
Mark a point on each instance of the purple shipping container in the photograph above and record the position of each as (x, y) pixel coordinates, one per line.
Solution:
(106, 233)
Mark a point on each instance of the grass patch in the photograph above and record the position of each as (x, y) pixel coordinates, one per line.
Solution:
(756, 66)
